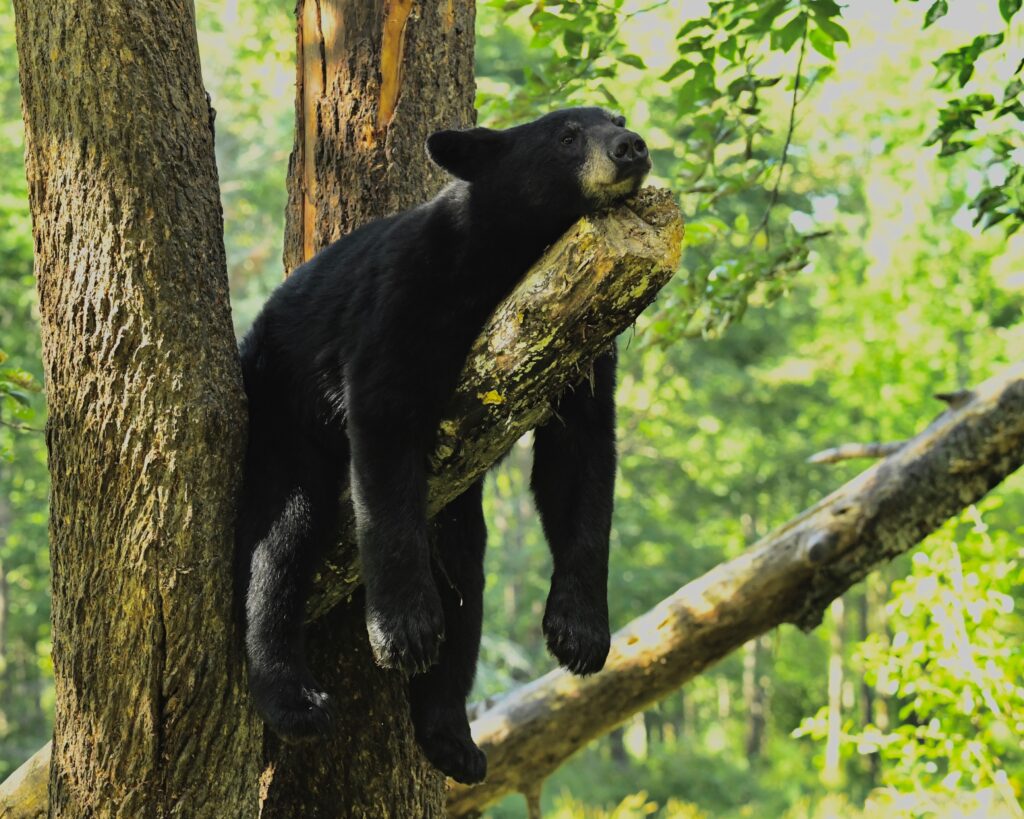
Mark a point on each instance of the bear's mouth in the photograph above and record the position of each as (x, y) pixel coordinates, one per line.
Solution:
(629, 181)
(606, 183)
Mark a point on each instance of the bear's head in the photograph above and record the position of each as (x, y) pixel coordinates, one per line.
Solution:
(562, 166)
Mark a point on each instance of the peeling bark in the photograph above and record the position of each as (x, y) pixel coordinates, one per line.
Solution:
(146, 412)
(374, 81)
(790, 576)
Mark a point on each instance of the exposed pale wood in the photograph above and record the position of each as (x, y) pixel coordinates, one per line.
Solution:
(790, 576)
(23, 793)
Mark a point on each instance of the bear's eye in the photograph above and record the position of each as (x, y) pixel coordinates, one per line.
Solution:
(568, 139)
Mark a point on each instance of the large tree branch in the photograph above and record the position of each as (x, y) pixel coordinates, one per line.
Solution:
(788, 577)
(589, 287)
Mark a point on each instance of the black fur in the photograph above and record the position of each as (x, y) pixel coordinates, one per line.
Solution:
(348, 368)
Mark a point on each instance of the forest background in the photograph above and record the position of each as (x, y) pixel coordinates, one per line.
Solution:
(853, 237)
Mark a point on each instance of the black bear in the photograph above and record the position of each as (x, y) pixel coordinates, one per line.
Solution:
(347, 370)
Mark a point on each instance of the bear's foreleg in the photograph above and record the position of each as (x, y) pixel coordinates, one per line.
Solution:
(388, 441)
(573, 483)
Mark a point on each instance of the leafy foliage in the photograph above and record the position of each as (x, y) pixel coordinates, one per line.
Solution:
(976, 118)
(951, 662)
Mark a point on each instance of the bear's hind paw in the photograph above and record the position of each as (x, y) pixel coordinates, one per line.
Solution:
(455, 756)
(297, 716)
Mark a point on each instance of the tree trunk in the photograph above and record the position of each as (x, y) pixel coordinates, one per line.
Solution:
(867, 690)
(753, 699)
(831, 771)
(146, 413)
(374, 80)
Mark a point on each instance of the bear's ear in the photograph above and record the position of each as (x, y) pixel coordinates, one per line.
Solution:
(464, 154)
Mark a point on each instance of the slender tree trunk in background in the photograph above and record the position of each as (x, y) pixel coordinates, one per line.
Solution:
(753, 690)
(831, 772)
(374, 80)
(5, 520)
(146, 413)
(754, 698)
(867, 690)
(618, 747)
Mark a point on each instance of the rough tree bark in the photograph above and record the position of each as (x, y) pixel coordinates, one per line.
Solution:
(374, 80)
(146, 412)
(790, 576)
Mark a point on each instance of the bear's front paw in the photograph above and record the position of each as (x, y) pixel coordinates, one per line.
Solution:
(576, 633)
(407, 634)
(291, 705)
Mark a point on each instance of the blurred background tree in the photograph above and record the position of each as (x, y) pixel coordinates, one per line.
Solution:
(852, 179)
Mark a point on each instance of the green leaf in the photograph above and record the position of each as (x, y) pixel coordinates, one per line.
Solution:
(832, 29)
(762, 23)
(825, 8)
(633, 60)
(791, 32)
(1008, 8)
(822, 44)
(677, 68)
(19, 396)
(573, 41)
(693, 25)
(938, 10)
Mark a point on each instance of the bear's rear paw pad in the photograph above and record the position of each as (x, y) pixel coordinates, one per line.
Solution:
(295, 711)
(407, 636)
(577, 637)
(455, 755)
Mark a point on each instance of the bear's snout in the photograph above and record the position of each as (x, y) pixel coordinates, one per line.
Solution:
(629, 152)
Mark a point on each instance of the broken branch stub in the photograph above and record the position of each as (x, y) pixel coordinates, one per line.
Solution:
(585, 290)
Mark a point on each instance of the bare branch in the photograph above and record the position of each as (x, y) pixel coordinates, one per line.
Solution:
(847, 452)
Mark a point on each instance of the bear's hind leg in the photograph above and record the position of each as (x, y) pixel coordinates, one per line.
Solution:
(438, 697)
(288, 514)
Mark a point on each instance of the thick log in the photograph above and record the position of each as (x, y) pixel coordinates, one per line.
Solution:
(23, 793)
(589, 287)
(790, 576)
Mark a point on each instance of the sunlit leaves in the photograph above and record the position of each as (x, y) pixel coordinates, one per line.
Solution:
(954, 665)
(1008, 8)
(938, 10)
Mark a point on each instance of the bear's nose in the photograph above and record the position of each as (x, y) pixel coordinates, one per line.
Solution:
(627, 148)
